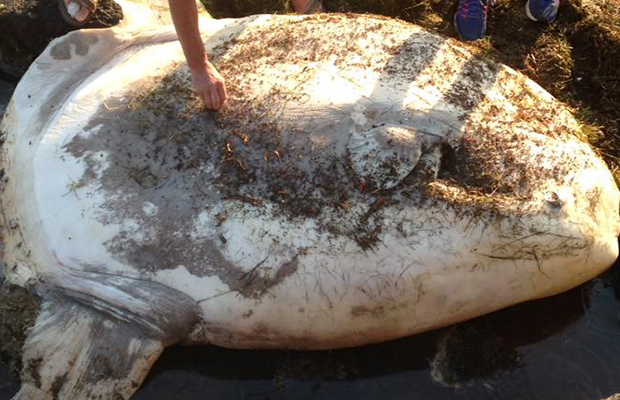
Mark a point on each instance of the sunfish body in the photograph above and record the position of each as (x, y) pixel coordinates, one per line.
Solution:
(366, 180)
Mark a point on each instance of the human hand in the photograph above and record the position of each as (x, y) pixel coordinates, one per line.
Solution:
(209, 85)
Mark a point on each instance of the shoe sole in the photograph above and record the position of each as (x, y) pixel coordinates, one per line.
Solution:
(527, 11)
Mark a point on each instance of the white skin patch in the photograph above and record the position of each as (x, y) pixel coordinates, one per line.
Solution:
(204, 224)
(264, 239)
(101, 163)
(199, 288)
(149, 208)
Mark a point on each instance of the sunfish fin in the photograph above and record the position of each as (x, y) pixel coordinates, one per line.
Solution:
(97, 335)
(311, 117)
(386, 154)
(76, 352)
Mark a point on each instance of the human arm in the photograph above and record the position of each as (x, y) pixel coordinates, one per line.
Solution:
(208, 82)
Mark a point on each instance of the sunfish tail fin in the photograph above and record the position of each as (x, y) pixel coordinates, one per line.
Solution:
(75, 352)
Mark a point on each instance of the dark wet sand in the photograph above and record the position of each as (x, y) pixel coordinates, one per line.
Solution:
(5, 94)
(565, 347)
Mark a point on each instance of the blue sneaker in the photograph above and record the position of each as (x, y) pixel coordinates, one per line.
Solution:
(470, 19)
(542, 10)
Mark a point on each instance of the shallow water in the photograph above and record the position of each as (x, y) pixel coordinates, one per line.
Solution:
(564, 347)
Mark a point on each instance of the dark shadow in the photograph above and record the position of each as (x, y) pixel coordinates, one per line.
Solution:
(6, 90)
(8, 386)
(506, 19)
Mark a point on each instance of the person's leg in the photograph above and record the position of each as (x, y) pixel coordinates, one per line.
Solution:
(307, 6)
(542, 10)
(470, 19)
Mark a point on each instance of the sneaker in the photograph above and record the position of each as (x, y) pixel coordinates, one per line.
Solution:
(470, 18)
(77, 12)
(542, 10)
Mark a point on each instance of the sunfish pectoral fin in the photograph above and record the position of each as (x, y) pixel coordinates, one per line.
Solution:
(437, 124)
(311, 117)
(159, 310)
(386, 154)
(75, 352)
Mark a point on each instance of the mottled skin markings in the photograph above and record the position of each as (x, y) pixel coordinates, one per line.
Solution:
(78, 43)
(57, 384)
(169, 244)
(165, 150)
